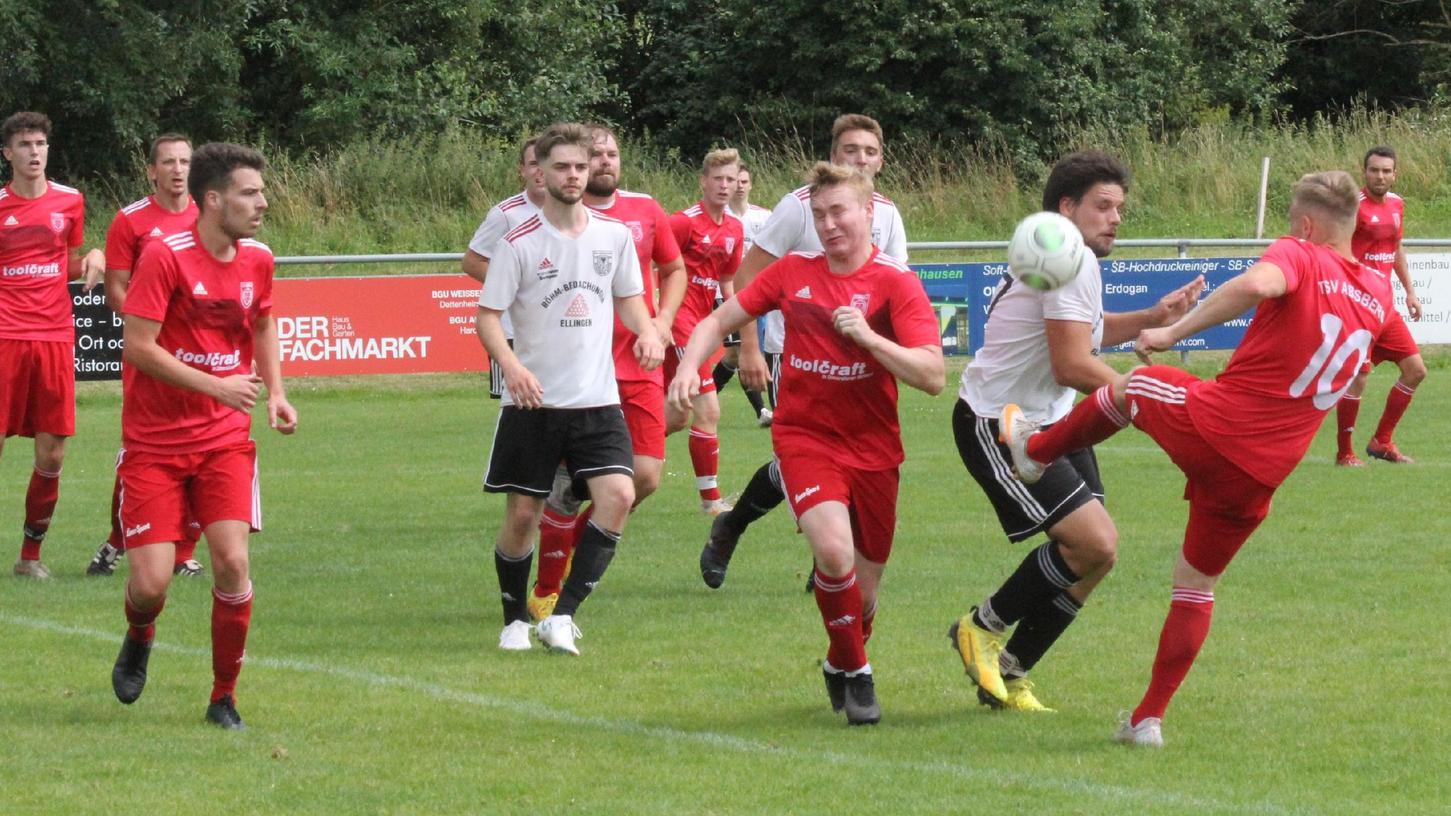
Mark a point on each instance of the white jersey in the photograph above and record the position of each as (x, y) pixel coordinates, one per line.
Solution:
(1013, 364)
(751, 220)
(560, 293)
(502, 217)
(791, 229)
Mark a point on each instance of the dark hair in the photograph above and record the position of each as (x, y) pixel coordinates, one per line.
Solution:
(1384, 151)
(212, 165)
(1075, 174)
(165, 138)
(563, 133)
(524, 148)
(21, 122)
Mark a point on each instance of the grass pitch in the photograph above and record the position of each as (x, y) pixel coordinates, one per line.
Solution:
(373, 684)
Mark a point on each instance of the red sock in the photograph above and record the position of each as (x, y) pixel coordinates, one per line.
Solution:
(186, 547)
(705, 459)
(143, 623)
(231, 615)
(556, 542)
(1397, 401)
(1184, 631)
(840, 602)
(1345, 413)
(1090, 422)
(115, 539)
(40, 499)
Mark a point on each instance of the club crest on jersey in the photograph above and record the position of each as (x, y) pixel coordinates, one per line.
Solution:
(1397, 218)
(248, 292)
(57, 222)
(636, 231)
(730, 245)
(604, 262)
(861, 302)
(877, 236)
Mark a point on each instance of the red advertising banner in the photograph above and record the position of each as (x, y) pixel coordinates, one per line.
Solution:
(404, 324)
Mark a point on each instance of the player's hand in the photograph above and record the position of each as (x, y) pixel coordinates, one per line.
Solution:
(752, 370)
(662, 327)
(649, 352)
(524, 387)
(238, 391)
(1152, 340)
(1413, 306)
(281, 415)
(852, 324)
(93, 268)
(684, 388)
(1178, 302)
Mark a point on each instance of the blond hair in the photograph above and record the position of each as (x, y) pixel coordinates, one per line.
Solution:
(825, 175)
(1332, 195)
(856, 121)
(719, 158)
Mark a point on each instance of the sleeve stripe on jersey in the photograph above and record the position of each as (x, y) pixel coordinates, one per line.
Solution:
(62, 188)
(179, 241)
(881, 199)
(887, 260)
(693, 211)
(4, 193)
(133, 207)
(512, 202)
(255, 244)
(523, 229)
(630, 194)
(803, 193)
(609, 218)
(814, 253)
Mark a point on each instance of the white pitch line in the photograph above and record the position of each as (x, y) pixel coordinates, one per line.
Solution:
(539, 711)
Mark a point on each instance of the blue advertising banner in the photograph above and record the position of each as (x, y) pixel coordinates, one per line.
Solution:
(1128, 285)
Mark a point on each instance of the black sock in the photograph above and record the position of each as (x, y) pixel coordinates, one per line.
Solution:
(513, 584)
(760, 497)
(591, 558)
(754, 398)
(1039, 630)
(722, 374)
(1042, 576)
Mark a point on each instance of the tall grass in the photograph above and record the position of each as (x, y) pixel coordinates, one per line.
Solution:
(427, 194)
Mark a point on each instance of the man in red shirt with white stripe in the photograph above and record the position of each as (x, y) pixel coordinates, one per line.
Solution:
(201, 344)
(167, 211)
(711, 239)
(42, 226)
(856, 321)
(1377, 244)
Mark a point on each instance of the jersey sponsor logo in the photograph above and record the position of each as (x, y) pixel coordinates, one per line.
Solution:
(861, 302)
(807, 492)
(132, 532)
(199, 290)
(546, 269)
(215, 360)
(57, 222)
(709, 283)
(1375, 219)
(570, 286)
(31, 270)
(577, 315)
(804, 293)
(604, 262)
(156, 232)
(706, 239)
(10, 221)
(248, 291)
(829, 370)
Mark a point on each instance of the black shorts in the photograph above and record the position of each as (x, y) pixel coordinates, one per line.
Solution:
(1023, 510)
(496, 377)
(530, 444)
(773, 365)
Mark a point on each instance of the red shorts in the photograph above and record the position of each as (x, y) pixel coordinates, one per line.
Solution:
(37, 388)
(643, 404)
(1225, 504)
(707, 371)
(811, 475)
(1394, 344)
(158, 490)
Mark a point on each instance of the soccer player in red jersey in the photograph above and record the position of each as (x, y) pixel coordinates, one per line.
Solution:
(1377, 244)
(711, 240)
(1318, 314)
(642, 391)
(753, 217)
(200, 345)
(856, 322)
(168, 210)
(42, 226)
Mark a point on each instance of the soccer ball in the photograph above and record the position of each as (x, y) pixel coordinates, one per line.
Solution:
(1046, 251)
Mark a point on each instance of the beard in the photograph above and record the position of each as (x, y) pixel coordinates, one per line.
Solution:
(599, 186)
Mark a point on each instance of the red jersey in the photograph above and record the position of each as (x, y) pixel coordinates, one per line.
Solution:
(36, 239)
(208, 311)
(712, 253)
(1378, 231)
(831, 389)
(1296, 360)
(650, 228)
(138, 223)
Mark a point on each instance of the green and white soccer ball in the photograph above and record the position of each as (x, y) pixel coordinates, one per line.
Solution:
(1046, 251)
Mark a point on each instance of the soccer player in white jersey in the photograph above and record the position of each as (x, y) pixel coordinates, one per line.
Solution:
(502, 217)
(856, 142)
(753, 217)
(563, 276)
(1039, 349)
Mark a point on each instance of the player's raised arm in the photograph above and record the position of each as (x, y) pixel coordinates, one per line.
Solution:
(1237, 295)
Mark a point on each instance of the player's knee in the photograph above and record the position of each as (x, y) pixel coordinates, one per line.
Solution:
(49, 453)
(1093, 552)
(230, 568)
(1413, 370)
(612, 498)
(676, 422)
(520, 516)
(707, 413)
(646, 483)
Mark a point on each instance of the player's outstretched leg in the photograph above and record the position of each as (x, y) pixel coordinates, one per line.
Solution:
(762, 494)
(128, 676)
